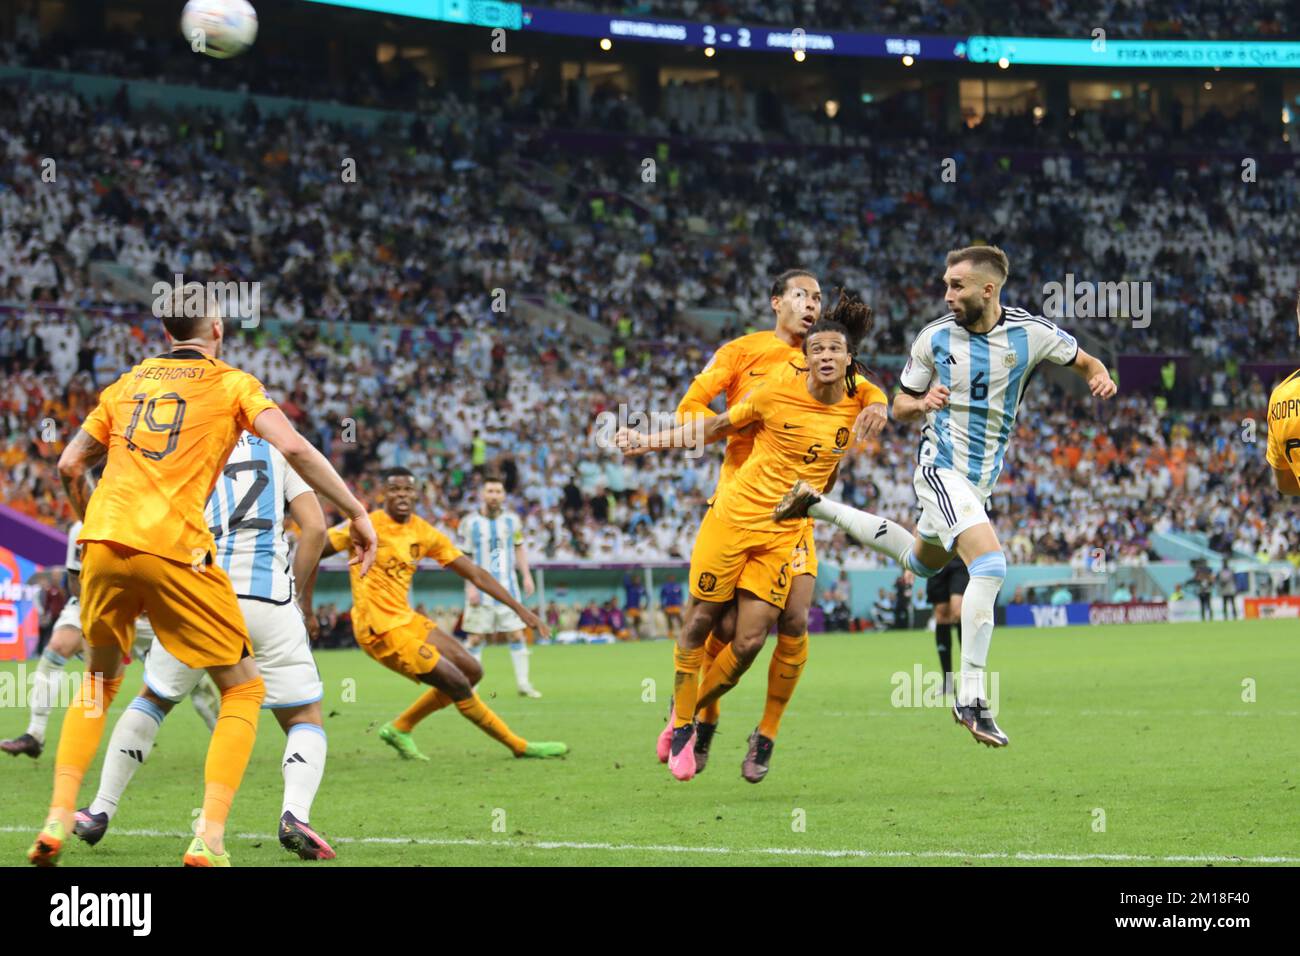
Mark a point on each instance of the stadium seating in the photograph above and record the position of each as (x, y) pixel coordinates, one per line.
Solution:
(390, 297)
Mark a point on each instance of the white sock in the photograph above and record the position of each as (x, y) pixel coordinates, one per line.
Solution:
(476, 652)
(303, 766)
(206, 699)
(128, 749)
(44, 682)
(879, 534)
(987, 573)
(519, 657)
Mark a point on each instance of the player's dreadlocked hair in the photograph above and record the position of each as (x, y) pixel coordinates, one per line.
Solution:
(851, 317)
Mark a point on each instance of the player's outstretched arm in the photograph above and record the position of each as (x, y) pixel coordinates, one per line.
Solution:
(1093, 371)
(704, 388)
(82, 454)
(315, 469)
(700, 431)
(489, 585)
(1286, 483)
(909, 407)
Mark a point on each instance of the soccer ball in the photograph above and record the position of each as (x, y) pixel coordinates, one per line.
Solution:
(219, 28)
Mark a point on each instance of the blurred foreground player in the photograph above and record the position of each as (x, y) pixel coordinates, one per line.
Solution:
(1283, 451)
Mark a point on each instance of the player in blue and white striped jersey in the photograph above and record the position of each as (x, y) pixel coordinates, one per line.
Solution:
(246, 512)
(494, 539)
(966, 376)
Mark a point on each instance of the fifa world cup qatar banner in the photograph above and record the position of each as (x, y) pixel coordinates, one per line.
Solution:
(1135, 612)
(1267, 608)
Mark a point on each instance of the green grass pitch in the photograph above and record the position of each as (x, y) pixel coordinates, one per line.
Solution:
(1129, 744)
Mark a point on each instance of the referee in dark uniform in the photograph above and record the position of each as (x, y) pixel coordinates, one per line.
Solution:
(944, 592)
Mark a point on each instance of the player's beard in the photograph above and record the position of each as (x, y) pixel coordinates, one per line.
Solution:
(968, 313)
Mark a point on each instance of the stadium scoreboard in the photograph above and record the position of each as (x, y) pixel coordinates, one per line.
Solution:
(1096, 51)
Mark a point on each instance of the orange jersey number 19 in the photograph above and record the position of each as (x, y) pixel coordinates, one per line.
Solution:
(169, 425)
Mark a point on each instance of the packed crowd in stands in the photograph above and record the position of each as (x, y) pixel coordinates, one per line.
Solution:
(1077, 477)
(451, 387)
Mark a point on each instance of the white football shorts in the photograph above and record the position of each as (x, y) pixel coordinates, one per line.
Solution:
(490, 618)
(949, 504)
(70, 616)
(280, 645)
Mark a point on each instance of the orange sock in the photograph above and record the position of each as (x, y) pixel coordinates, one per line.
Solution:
(479, 713)
(427, 703)
(712, 648)
(83, 726)
(722, 676)
(782, 677)
(228, 752)
(686, 683)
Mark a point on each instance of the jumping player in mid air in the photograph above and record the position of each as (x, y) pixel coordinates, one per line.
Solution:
(391, 632)
(735, 370)
(804, 428)
(966, 376)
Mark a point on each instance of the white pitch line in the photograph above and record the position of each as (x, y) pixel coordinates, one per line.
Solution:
(741, 851)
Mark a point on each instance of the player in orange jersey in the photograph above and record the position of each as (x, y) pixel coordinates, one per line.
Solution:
(804, 427)
(1284, 432)
(735, 370)
(165, 428)
(391, 632)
